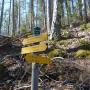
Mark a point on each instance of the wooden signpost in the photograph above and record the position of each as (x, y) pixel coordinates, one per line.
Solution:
(34, 39)
(38, 45)
(36, 48)
(37, 59)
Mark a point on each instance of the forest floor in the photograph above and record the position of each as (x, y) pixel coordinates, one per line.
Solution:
(69, 70)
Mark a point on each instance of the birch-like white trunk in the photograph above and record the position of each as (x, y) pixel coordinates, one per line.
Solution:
(43, 13)
(48, 17)
(54, 18)
(31, 17)
(37, 12)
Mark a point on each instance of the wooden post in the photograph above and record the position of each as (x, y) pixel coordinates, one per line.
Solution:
(35, 76)
(35, 67)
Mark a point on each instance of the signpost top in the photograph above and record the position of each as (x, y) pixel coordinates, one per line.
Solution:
(36, 31)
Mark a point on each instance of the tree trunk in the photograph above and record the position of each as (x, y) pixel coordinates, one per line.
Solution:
(61, 12)
(80, 9)
(36, 19)
(72, 5)
(55, 32)
(19, 18)
(1, 17)
(15, 8)
(43, 14)
(62, 7)
(67, 9)
(9, 19)
(85, 11)
(89, 4)
(13, 18)
(49, 17)
(31, 21)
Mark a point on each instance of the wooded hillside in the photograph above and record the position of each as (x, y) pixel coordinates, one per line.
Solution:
(66, 24)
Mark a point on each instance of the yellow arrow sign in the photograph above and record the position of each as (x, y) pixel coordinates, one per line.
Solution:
(34, 39)
(36, 48)
(37, 59)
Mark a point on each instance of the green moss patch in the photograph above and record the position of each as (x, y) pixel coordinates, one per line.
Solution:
(82, 53)
(56, 53)
(84, 45)
(85, 27)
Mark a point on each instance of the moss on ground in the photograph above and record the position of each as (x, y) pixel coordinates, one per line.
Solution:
(56, 53)
(85, 27)
(88, 25)
(82, 53)
(84, 44)
(63, 42)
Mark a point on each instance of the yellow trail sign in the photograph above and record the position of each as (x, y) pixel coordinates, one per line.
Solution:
(36, 48)
(37, 59)
(34, 39)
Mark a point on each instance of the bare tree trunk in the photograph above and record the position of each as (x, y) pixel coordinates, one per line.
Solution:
(36, 19)
(61, 11)
(80, 9)
(31, 21)
(62, 7)
(9, 18)
(72, 1)
(19, 21)
(1, 17)
(43, 13)
(89, 4)
(49, 17)
(54, 18)
(85, 11)
(68, 19)
(13, 18)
